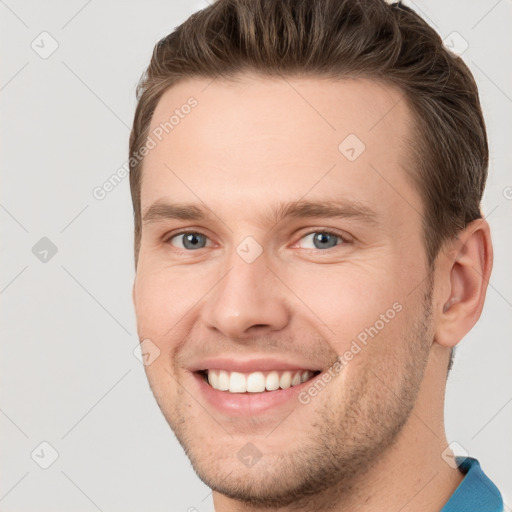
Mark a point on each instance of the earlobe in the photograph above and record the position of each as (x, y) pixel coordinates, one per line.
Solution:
(466, 268)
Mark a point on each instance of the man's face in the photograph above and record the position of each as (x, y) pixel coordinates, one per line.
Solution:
(248, 290)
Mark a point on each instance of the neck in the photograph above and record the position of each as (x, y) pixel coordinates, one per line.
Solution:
(411, 475)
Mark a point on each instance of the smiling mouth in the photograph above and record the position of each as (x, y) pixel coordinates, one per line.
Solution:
(255, 382)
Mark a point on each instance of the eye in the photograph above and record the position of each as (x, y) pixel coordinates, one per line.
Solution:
(322, 240)
(188, 240)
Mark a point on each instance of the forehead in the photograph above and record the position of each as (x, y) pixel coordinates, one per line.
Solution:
(256, 139)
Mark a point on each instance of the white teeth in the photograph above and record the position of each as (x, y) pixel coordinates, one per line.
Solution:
(223, 380)
(213, 379)
(272, 381)
(237, 383)
(296, 378)
(286, 380)
(256, 382)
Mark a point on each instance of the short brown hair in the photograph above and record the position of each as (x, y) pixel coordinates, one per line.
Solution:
(339, 39)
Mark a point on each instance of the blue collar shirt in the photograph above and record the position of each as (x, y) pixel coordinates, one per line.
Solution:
(476, 493)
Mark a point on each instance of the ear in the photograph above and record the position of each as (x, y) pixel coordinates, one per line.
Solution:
(464, 269)
(133, 294)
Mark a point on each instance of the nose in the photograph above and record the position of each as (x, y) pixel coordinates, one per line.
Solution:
(249, 300)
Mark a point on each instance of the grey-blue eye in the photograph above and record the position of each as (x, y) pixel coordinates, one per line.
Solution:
(189, 240)
(322, 240)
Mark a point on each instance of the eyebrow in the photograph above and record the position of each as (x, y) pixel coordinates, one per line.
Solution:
(347, 209)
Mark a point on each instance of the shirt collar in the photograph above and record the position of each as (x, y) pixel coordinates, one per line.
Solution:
(475, 492)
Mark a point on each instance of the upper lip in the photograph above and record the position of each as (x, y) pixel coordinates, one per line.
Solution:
(236, 364)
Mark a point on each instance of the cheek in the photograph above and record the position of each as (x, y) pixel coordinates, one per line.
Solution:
(347, 300)
(163, 298)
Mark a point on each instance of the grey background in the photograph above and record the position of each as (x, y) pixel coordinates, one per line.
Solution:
(68, 371)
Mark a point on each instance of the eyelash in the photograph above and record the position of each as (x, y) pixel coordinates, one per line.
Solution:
(344, 239)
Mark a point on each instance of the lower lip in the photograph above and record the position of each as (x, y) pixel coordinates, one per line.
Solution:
(249, 404)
